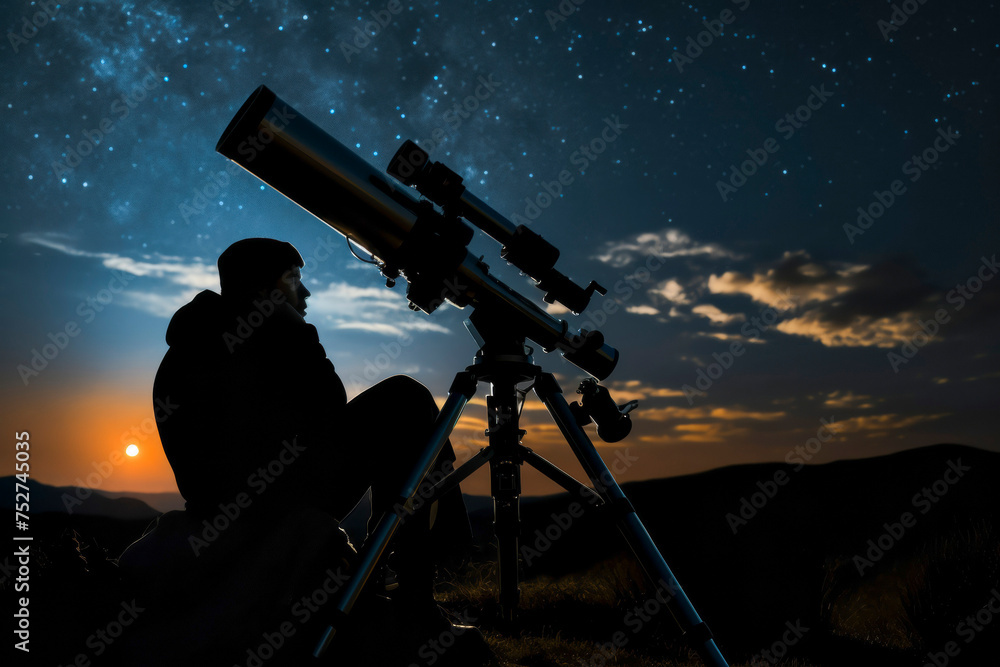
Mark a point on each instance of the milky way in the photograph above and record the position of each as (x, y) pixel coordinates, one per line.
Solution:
(814, 183)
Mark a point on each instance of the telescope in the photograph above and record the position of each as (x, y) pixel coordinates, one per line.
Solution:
(424, 239)
(410, 236)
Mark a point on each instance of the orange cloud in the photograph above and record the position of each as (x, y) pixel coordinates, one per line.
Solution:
(883, 423)
(859, 332)
(848, 399)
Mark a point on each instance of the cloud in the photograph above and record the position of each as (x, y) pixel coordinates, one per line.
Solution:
(192, 275)
(735, 413)
(665, 244)
(376, 310)
(339, 305)
(635, 390)
(672, 291)
(875, 425)
(188, 274)
(731, 414)
(862, 332)
(556, 309)
(642, 310)
(796, 280)
(731, 338)
(848, 399)
(156, 304)
(702, 424)
(177, 270)
(717, 432)
(838, 305)
(716, 316)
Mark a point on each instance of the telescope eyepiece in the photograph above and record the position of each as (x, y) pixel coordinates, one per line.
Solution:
(613, 421)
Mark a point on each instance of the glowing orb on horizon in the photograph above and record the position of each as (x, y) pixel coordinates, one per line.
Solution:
(132, 450)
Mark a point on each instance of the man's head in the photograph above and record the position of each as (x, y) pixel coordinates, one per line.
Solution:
(254, 268)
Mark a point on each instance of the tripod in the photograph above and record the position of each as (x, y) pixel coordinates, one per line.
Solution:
(503, 362)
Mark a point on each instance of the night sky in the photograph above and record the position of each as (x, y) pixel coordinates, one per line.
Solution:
(715, 157)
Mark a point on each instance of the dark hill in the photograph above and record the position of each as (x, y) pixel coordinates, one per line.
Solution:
(75, 500)
(892, 531)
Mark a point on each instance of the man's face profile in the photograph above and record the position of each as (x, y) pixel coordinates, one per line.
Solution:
(295, 293)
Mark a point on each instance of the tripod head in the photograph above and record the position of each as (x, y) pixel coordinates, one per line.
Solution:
(407, 235)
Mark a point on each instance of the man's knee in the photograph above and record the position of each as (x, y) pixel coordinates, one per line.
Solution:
(409, 391)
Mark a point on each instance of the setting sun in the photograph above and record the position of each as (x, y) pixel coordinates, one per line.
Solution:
(132, 450)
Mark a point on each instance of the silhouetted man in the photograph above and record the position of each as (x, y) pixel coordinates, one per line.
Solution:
(263, 420)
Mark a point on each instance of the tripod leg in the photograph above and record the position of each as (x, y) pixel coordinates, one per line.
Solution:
(505, 483)
(631, 527)
(453, 480)
(563, 479)
(462, 389)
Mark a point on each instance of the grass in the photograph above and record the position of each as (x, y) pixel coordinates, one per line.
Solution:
(894, 614)
(572, 620)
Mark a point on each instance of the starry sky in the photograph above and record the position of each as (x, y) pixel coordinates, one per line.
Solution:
(793, 208)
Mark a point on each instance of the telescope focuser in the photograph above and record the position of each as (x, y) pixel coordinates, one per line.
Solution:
(613, 421)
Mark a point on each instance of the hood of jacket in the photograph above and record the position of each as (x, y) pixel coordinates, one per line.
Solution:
(202, 322)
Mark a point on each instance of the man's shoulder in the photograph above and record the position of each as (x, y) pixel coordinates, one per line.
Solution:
(205, 315)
